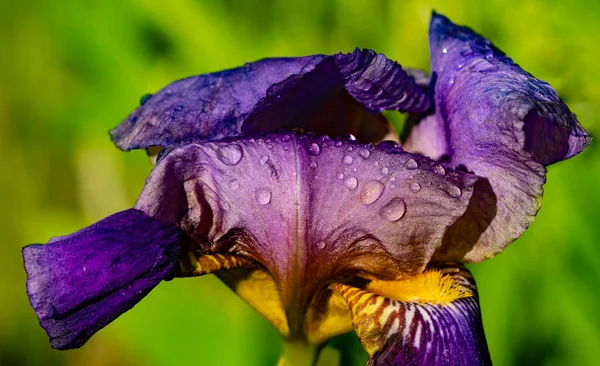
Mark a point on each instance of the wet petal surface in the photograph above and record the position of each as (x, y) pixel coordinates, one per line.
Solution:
(301, 205)
(79, 283)
(496, 120)
(338, 94)
(419, 333)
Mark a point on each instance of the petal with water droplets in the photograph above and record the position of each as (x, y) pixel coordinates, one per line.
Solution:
(496, 120)
(295, 216)
(335, 95)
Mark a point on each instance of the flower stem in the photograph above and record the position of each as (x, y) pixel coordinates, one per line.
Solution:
(297, 353)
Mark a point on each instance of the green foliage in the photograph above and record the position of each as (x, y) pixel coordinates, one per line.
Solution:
(71, 70)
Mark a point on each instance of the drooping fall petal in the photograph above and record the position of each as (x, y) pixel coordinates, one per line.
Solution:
(431, 328)
(79, 283)
(498, 121)
(309, 209)
(338, 94)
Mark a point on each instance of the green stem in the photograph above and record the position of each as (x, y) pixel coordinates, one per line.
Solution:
(298, 353)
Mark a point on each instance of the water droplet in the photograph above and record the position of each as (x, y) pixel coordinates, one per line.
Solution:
(445, 50)
(392, 179)
(145, 98)
(371, 191)
(411, 164)
(388, 145)
(285, 138)
(376, 163)
(340, 176)
(314, 149)
(453, 191)
(230, 154)
(263, 160)
(338, 143)
(393, 210)
(348, 159)
(414, 187)
(321, 245)
(348, 137)
(350, 148)
(234, 184)
(384, 170)
(364, 153)
(312, 164)
(439, 170)
(351, 183)
(263, 195)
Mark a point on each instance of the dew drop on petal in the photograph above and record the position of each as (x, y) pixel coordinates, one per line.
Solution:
(340, 175)
(263, 195)
(364, 153)
(453, 191)
(348, 137)
(145, 98)
(351, 183)
(230, 154)
(388, 145)
(439, 170)
(234, 184)
(371, 191)
(314, 149)
(348, 159)
(263, 160)
(411, 164)
(313, 164)
(338, 143)
(384, 170)
(376, 163)
(285, 138)
(393, 210)
(414, 187)
(321, 245)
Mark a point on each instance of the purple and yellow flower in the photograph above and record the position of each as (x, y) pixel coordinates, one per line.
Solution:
(331, 230)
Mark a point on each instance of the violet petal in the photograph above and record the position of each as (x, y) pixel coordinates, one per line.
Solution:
(496, 120)
(78, 284)
(412, 333)
(309, 208)
(342, 93)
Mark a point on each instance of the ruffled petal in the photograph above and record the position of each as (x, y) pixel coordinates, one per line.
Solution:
(417, 333)
(496, 120)
(338, 94)
(79, 283)
(309, 208)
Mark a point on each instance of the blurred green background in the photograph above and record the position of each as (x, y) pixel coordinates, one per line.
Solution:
(69, 72)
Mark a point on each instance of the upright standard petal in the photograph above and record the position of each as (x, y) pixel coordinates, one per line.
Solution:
(338, 94)
(443, 327)
(79, 283)
(309, 209)
(496, 120)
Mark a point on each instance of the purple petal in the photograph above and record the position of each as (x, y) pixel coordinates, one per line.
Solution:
(412, 333)
(308, 208)
(338, 94)
(496, 120)
(79, 283)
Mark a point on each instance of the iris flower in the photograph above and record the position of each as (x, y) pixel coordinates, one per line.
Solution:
(275, 176)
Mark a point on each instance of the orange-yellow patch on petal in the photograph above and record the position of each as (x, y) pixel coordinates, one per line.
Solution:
(429, 287)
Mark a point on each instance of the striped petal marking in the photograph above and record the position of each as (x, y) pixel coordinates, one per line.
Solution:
(434, 320)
